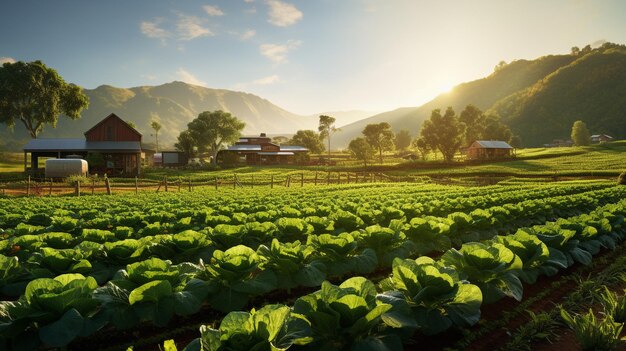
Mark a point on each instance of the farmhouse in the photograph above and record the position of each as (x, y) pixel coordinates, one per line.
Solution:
(489, 149)
(260, 150)
(601, 138)
(112, 146)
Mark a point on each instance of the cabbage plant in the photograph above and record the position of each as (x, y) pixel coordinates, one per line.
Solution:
(294, 264)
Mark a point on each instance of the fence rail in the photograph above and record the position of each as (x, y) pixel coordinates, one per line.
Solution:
(48, 187)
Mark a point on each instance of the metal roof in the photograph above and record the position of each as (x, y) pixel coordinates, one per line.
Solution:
(245, 148)
(278, 153)
(292, 148)
(35, 145)
(493, 144)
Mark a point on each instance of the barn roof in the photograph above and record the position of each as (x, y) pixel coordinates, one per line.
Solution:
(113, 115)
(491, 144)
(51, 145)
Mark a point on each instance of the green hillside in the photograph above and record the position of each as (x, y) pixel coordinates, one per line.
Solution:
(174, 105)
(540, 99)
(591, 89)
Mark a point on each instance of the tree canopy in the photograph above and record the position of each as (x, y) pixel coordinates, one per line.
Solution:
(361, 150)
(403, 140)
(422, 147)
(380, 137)
(36, 95)
(157, 127)
(211, 130)
(326, 128)
(443, 133)
(580, 134)
(185, 143)
(308, 139)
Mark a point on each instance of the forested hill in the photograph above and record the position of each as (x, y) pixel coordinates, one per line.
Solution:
(173, 105)
(591, 89)
(540, 98)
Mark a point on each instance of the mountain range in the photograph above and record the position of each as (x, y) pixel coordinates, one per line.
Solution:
(539, 99)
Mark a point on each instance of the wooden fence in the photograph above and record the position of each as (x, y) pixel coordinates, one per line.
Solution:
(48, 187)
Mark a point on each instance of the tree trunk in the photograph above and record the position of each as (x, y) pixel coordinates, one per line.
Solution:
(380, 152)
(214, 160)
(329, 147)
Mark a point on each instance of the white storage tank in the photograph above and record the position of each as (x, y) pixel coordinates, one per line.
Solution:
(65, 167)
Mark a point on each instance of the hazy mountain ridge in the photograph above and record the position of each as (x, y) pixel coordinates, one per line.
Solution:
(173, 105)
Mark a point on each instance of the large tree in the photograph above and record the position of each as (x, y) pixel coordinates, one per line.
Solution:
(443, 133)
(36, 95)
(185, 143)
(211, 130)
(580, 134)
(308, 139)
(361, 150)
(326, 128)
(474, 120)
(422, 147)
(157, 127)
(403, 140)
(380, 137)
(494, 129)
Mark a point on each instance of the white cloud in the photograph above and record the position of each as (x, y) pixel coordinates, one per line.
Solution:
(191, 27)
(4, 60)
(151, 29)
(247, 34)
(213, 10)
(248, 1)
(188, 77)
(278, 53)
(269, 80)
(283, 14)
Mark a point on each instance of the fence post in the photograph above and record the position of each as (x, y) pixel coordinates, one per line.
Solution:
(28, 187)
(50, 188)
(328, 178)
(215, 183)
(272, 182)
(190, 184)
(235, 181)
(136, 186)
(348, 177)
(180, 183)
(77, 188)
(93, 185)
(252, 181)
(315, 178)
(108, 185)
(165, 181)
(302, 179)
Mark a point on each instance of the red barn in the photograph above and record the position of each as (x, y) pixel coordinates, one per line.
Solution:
(112, 146)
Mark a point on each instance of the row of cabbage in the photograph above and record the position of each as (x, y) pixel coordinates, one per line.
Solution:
(56, 310)
(345, 240)
(422, 295)
(138, 211)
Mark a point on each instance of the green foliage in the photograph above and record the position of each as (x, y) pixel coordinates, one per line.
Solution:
(403, 140)
(361, 150)
(293, 263)
(308, 139)
(347, 316)
(380, 137)
(491, 267)
(36, 95)
(211, 130)
(186, 144)
(594, 334)
(443, 133)
(272, 327)
(327, 128)
(432, 295)
(580, 134)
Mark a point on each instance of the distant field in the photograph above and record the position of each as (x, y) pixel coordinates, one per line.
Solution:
(597, 160)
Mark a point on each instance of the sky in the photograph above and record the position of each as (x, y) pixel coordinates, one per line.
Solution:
(307, 56)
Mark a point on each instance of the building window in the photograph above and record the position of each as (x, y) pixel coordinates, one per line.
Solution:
(109, 133)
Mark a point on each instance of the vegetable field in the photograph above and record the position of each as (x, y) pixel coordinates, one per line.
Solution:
(348, 267)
